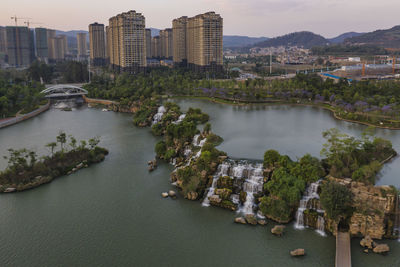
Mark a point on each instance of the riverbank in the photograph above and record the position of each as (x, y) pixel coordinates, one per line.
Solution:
(275, 102)
(20, 118)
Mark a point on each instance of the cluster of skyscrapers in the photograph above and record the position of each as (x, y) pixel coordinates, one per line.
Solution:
(23, 45)
(194, 42)
(125, 44)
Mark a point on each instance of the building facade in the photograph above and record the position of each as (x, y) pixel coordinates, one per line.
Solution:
(203, 38)
(179, 33)
(3, 40)
(58, 48)
(50, 49)
(42, 49)
(166, 40)
(97, 44)
(156, 47)
(127, 42)
(19, 46)
(82, 45)
(148, 43)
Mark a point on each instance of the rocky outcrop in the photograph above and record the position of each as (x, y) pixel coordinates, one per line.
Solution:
(374, 207)
(172, 193)
(297, 252)
(367, 242)
(278, 230)
(192, 195)
(262, 222)
(381, 249)
(240, 220)
(251, 219)
(164, 194)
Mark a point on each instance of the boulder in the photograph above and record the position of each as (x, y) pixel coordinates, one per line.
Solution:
(242, 196)
(10, 190)
(215, 199)
(367, 242)
(251, 219)
(366, 251)
(278, 230)
(262, 222)
(172, 193)
(203, 174)
(192, 195)
(297, 252)
(381, 248)
(223, 193)
(164, 195)
(240, 220)
(79, 166)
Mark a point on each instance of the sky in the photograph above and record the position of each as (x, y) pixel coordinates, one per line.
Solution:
(268, 18)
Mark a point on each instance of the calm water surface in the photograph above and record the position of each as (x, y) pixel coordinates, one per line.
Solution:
(111, 214)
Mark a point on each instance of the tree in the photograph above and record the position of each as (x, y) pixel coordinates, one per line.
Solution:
(271, 157)
(62, 139)
(93, 142)
(51, 145)
(336, 200)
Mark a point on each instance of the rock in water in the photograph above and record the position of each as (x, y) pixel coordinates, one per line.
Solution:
(367, 242)
(381, 248)
(251, 219)
(192, 195)
(172, 193)
(297, 252)
(240, 220)
(262, 222)
(278, 230)
(164, 195)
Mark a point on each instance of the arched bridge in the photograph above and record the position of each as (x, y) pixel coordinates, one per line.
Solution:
(64, 91)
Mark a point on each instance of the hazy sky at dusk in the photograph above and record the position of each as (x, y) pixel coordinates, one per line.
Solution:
(242, 17)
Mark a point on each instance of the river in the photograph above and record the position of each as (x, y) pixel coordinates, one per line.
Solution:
(112, 214)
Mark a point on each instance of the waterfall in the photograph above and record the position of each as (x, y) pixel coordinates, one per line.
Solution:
(180, 119)
(158, 116)
(222, 171)
(307, 203)
(251, 173)
(196, 140)
(321, 225)
(253, 184)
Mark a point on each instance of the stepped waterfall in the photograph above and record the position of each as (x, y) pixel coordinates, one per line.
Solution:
(246, 176)
(310, 200)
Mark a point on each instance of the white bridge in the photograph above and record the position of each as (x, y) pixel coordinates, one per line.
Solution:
(64, 91)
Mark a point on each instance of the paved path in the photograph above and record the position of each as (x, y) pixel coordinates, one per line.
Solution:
(343, 250)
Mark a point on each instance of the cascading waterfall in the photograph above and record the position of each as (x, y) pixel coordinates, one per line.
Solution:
(158, 116)
(321, 225)
(307, 203)
(180, 119)
(222, 171)
(253, 183)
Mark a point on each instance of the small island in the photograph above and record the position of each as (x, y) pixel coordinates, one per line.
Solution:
(26, 170)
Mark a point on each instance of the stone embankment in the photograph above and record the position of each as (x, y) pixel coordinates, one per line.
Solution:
(17, 119)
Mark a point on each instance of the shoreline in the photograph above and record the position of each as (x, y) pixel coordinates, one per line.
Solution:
(18, 119)
(278, 103)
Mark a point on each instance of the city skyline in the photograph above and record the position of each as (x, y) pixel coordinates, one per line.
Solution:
(252, 18)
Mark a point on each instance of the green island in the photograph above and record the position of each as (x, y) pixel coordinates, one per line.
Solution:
(26, 170)
(344, 179)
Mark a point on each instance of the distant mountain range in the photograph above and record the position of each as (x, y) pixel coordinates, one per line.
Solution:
(233, 41)
(304, 39)
(389, 38)
(340, 39)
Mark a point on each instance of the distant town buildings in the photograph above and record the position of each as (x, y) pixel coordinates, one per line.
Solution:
(156, 47)
(179, 31)
(58, 48)
(127, 41)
